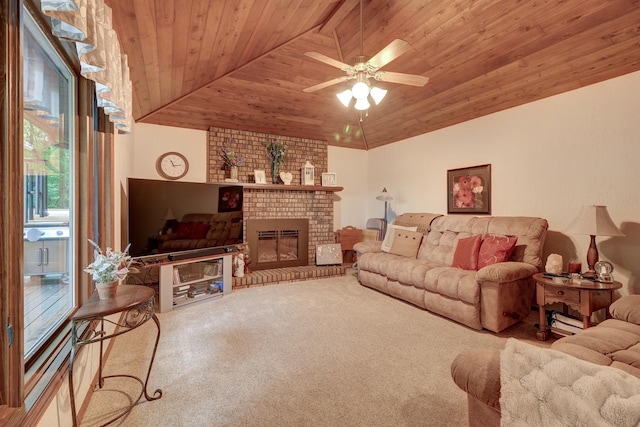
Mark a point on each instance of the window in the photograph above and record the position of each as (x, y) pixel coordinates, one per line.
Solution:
(48, 193)
(55, 143)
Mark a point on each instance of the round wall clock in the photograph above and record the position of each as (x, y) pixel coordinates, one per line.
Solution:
(172, 165)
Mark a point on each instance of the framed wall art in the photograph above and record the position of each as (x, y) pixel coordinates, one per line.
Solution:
(230, 199)
(329, 179)
(469, 190)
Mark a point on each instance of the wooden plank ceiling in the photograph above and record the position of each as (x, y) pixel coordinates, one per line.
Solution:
(240, 64)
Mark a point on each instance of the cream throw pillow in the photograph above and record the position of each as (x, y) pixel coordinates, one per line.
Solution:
(406, 243)
(388, 238)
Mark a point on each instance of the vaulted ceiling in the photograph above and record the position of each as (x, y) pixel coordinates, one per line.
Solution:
(240, 64)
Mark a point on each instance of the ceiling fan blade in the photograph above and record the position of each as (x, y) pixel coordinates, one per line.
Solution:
(330, 61)
(405, 79)
(389, 53)
(327, 84)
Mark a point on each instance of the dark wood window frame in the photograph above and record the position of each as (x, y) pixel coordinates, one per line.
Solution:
(22, 403)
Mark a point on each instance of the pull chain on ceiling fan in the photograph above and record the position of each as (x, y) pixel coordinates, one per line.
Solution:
(364, 69)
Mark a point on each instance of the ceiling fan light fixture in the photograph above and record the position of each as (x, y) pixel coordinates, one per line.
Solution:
(362, 104)
(378, 94)
(365, 68)
(360, 90)
(344, 97)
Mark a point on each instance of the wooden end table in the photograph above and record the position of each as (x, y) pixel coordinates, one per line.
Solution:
(586, 297)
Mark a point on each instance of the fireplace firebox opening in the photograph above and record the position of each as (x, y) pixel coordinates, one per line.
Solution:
(277, 243)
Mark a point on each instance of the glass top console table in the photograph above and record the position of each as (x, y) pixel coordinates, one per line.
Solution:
(136, 303)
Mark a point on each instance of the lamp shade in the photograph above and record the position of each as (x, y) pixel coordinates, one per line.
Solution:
(169, 215)
(384, 196)
(594, 221)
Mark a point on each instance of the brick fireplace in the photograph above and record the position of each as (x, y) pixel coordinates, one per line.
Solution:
(280, 201)
(316, 206)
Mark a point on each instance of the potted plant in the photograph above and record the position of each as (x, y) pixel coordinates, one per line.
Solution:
(108, 269)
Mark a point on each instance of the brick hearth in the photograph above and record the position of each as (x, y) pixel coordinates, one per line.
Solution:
(284, 275)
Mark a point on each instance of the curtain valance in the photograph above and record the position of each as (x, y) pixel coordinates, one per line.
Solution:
(88, 24)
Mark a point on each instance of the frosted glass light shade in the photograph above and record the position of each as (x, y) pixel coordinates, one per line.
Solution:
(362, 104)
(360, 90)
(384, 195)
(344, 97)
(377, 94)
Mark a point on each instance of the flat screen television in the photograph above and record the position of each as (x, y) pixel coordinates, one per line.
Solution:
(160, 210)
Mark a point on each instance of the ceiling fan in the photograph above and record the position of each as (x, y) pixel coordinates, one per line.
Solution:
(365, 68)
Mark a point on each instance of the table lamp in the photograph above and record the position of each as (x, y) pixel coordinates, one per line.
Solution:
(385, 197)
(594, 221)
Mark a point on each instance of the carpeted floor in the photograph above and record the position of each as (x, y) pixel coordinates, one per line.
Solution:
(326, 352)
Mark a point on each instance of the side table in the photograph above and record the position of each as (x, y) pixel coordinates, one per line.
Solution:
(586, 297)
(137, 305)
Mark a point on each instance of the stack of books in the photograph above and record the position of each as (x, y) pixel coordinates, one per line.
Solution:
(564, 325)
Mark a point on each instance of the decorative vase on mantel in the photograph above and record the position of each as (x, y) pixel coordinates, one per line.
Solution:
(233, 174)
(275, 172)
(107, 290)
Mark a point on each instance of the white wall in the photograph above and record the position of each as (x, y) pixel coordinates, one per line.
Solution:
(548, 158)
(153, 140)
(350, 166)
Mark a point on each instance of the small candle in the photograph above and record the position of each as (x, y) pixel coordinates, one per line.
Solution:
(575, 267)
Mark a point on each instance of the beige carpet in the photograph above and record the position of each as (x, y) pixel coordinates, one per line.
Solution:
(326, 352)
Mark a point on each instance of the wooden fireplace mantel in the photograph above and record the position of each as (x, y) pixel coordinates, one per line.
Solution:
(252, 185)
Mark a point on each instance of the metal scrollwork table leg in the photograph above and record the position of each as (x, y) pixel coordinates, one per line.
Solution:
(137, 305)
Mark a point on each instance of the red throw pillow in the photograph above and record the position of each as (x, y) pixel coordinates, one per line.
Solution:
(184, 228)
(496, 249)
(466, 254)
(198, 230)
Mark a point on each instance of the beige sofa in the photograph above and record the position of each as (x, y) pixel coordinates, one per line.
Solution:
(494, 297)
(203, 230)
(614, 342)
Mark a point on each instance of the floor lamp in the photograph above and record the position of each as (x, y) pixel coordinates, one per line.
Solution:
(385, 197)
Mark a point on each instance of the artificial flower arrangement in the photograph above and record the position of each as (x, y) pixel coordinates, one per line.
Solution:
(467, 192)
(277, 151)
(230, 158)
(110, 266)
